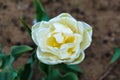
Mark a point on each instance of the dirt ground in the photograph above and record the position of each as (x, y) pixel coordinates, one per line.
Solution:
(102, 15)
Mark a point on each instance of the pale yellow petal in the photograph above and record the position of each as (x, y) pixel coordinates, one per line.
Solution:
(70, 23)
(40, 35)
(59, 38)
(86, 27)
(64, 50)
(35, 28)
(64, 15)
(62, 28)
(47, 58)
(86, 31)
(67, 20)
(41, 39)
(80, 28)
(86, 41)
(79, 59)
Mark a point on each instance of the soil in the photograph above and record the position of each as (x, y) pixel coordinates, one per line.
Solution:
(102, 15)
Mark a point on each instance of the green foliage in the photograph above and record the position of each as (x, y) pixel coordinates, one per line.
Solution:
(48, 70)
(19, 50)
(0, 49)
(25, 26)
(40, 14)
(25, 72)
(44, 68)
(6, 62)
(70, 76)
(1, 62)
(116, 55)
(69, 68)
(75, 68)
(52, 72)
(55, 75)
(8, 75)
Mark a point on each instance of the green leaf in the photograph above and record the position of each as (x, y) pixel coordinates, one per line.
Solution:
(69, 68)
(25, 26)
(54, 75)
(42, 79)
(0, 49)
(75, 68)
(116, 55)
(1, 62)
(70, 76)
(8, 75)
(4, 60)
(40, 12)
(19, 50)
(25, 72)
(46, 69)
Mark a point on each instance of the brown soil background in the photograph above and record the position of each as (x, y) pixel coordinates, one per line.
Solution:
(102, 15)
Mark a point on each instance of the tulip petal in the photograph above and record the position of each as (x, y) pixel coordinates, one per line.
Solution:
(86, 41)
(85, 26)
(86, 33)
(67, 20)
(62, 28)
(79, 59)
(47, 58)
(35, 28)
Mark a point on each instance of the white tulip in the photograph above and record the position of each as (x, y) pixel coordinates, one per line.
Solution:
(62, 39)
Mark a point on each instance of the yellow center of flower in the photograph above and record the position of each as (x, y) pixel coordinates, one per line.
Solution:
(58, 39)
